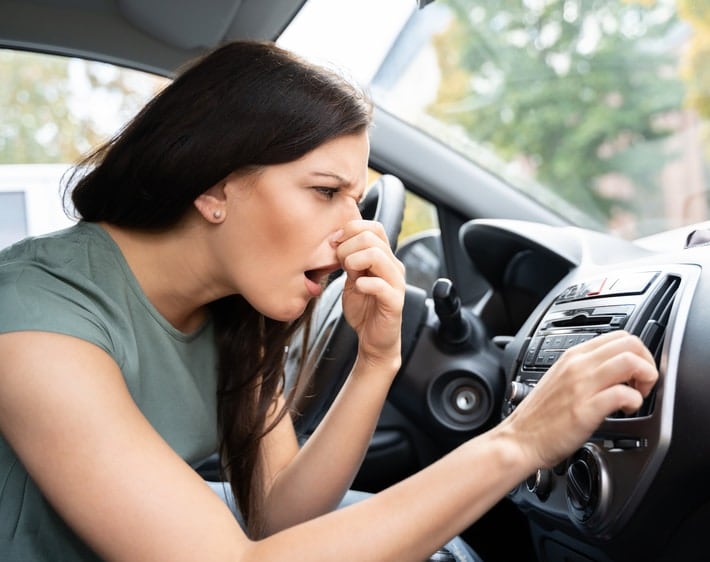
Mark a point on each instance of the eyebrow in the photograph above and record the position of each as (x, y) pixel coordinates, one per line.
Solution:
(332, 175)
(346, 184)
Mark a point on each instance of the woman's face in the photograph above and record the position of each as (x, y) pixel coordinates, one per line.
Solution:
(281, 221)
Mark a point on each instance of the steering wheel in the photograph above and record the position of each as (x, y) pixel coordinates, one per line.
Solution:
(332, 343)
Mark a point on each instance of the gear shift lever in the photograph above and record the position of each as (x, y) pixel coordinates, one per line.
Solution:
(454, 329)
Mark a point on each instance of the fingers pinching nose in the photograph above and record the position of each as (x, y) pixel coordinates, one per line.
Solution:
(334, 238)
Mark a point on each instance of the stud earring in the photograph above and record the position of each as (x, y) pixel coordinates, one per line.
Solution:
(217, 214)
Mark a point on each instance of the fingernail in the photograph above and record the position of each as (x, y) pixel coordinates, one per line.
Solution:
(335, 237)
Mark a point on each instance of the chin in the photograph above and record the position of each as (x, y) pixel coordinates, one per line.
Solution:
(287, 314)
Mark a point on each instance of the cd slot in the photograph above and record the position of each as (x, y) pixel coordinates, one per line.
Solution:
(582, 320)
(604, 317)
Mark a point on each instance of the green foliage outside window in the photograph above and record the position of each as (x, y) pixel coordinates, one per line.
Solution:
(577, 90)
(53, 109)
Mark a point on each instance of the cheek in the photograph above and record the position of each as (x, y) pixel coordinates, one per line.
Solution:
(300, 226)
(287, 232)
(291, 229)
(286, 247)
(270, 223)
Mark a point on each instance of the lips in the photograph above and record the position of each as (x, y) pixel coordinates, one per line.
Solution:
(317, 279)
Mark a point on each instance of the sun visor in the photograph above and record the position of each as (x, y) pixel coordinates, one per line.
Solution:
(185, 24)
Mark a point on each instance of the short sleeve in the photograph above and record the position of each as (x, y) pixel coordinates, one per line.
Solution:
(35, 299)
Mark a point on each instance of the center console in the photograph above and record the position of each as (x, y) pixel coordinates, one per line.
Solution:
(601, 484)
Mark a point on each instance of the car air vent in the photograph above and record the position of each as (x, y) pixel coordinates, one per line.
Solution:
(652, 326)
(659, 311)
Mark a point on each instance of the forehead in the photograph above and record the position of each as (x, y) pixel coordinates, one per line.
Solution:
(342, 160)
(349, 152)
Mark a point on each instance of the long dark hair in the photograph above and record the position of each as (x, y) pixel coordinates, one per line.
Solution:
(245, 105)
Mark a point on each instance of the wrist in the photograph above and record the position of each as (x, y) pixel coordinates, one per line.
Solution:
(513, 454)
(381, 366)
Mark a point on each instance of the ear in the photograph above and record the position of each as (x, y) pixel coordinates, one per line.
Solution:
(212, 204)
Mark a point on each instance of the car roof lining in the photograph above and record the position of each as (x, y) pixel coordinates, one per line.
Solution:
(153, 36)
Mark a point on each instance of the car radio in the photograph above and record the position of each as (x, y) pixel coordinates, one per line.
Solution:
(616, 465)
(585, 310)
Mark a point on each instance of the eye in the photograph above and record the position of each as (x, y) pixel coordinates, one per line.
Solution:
(327, 192)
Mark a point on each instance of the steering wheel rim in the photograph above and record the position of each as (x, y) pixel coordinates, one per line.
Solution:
(332, 345)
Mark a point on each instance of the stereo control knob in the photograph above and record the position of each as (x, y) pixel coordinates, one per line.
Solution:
(540, 483)
(517, 391)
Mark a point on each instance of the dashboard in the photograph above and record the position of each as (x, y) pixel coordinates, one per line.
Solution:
(637, 488)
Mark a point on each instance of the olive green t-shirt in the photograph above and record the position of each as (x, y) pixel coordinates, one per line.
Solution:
(76, 282)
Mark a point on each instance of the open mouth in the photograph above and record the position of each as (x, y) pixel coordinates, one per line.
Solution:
(323, 276)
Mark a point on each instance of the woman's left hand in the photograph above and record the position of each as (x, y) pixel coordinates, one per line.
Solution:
(373, 295)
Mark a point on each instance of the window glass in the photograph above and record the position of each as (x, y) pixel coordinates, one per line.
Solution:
(12, 217)
(598, 110)
(52, 110)
(419, 242)
(419, 216)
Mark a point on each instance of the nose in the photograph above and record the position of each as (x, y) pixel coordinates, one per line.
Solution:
(354, 211)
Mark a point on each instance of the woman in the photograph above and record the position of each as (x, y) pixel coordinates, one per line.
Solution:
(152, 333)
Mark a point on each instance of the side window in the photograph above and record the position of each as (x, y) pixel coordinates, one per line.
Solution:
(419, 245)
(53, 109)
(13, 217)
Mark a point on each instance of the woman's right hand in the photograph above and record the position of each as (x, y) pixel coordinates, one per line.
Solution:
(614, 371)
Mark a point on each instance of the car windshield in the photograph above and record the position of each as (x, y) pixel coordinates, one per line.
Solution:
(597, 109)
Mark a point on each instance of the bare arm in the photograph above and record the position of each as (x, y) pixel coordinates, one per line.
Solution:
(313, 481)
(119, 485)
(129, 496)
(67, 413)
(116, 482)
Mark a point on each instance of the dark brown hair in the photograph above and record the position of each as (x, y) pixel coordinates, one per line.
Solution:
(243, 106)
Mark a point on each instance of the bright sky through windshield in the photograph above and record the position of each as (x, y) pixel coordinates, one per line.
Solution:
(358, 45)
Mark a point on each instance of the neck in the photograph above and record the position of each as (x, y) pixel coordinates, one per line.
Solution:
(171, 269)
